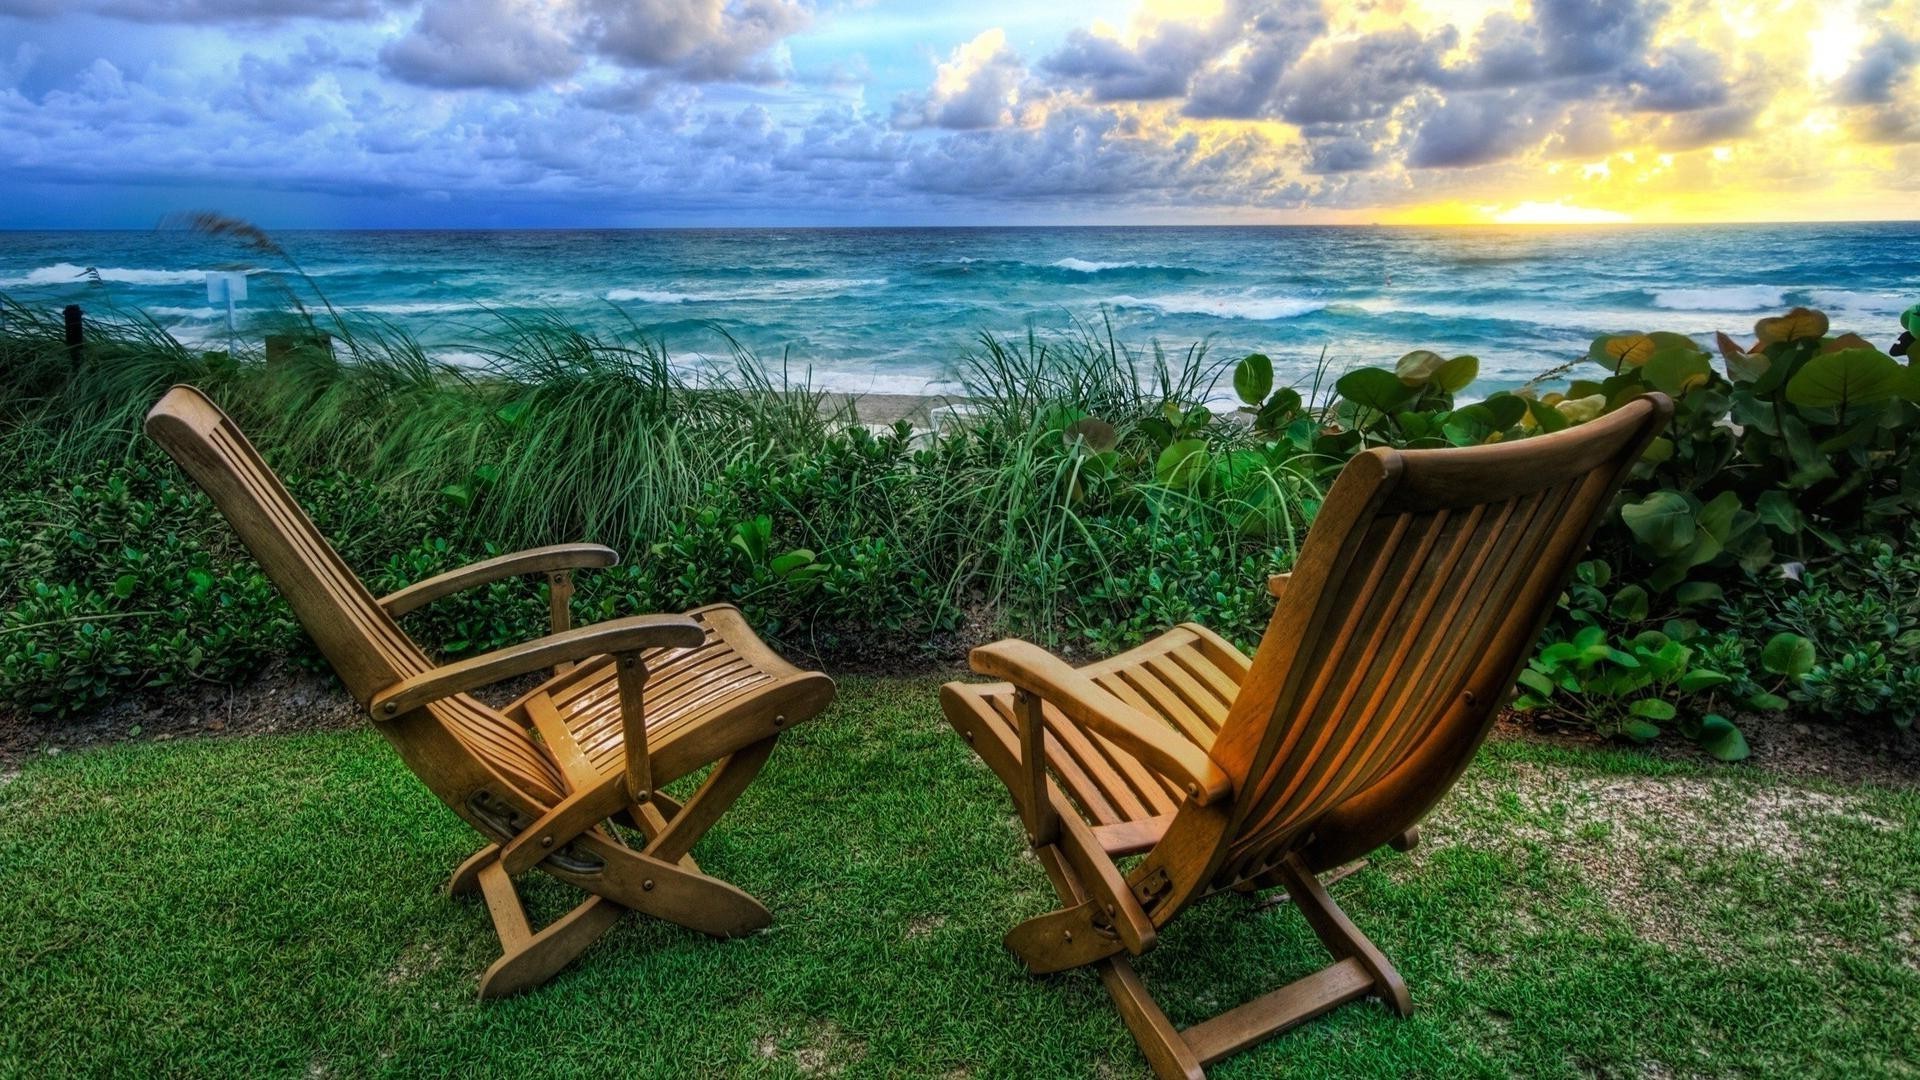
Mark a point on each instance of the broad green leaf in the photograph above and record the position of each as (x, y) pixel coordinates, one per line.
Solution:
(1694, 593)
(1181, 463)
(1547, 418)
(1536, 682)
(1776, 508)
(1622, 350)
(1374, 388)
(1629, 604)
(1653, 709)
(124, 585)
(1845, 378)
(1663, 521)
(1720, 738)
(1640, 730)
(1695, 681)
(1674, 371)
(1457, 374)
(1788, 654)
(1253, 379)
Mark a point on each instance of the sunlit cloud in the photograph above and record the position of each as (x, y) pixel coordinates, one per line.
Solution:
(633, 111)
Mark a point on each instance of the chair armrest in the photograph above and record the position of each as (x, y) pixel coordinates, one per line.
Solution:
(540, 560)
(616, 636)
(1277, 584)
(1082, 701)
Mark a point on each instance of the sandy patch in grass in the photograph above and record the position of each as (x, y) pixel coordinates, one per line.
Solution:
(823, 1049)
(1641, 844)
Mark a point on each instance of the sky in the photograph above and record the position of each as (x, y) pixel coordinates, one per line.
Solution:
(610, 113)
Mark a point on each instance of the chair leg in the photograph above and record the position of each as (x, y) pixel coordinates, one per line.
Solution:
(542, 956)
(1165, 1048)
(729, 778)
(1343, 939)
(528, 959)
(1175, 1054)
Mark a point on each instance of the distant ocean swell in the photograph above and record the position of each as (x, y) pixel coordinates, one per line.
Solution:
(892, 310)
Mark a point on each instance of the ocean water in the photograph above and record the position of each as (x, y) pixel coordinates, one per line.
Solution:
(892, 310)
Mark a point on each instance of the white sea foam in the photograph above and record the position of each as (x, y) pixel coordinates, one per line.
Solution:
(1259, 308)
(74, 274)
(1087, 266)
(798, 289)
(415, 307)
(1722, 298)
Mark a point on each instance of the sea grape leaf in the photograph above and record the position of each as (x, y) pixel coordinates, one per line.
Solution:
(1800, 324)
(1787, 654)
(1674, 371)
(1622, 350)
(1663, 521)
(1720, 738)
(1418, 366)
(1253, 379)
(1374, 388)
(1848, 377)
(1742, 366)
(1181, 463)
(1458, 373)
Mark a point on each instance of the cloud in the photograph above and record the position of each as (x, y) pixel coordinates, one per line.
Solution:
(1475, 128)
(498, 44)
(1362, 78)
(699, 40)
(1559, 39)
(1686, 77)
(198, 11)
(1881, 67)
(1159, 67)
(976, 87)
(1268, 38)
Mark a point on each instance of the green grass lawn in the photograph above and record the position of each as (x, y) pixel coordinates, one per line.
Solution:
(272, 905)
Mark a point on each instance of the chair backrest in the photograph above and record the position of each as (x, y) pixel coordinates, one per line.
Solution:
(366, 648)
(1415, 601)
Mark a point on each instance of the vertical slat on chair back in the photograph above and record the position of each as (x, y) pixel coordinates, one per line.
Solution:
(362, 642)
(1416, 598)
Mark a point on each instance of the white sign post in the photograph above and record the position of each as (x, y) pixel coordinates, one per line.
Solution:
(226, 287)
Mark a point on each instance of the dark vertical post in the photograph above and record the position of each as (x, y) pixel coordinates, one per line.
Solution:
(76, 333)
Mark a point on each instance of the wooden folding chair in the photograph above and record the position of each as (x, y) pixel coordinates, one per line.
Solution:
(1415, 600)
(652, 698)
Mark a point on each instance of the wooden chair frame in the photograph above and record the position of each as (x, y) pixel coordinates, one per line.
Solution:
(1416, 597)
(632, 705)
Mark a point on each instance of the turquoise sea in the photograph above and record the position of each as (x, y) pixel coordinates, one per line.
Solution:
(890, 310)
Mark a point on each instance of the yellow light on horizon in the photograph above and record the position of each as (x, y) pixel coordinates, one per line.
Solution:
(1557, 213)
